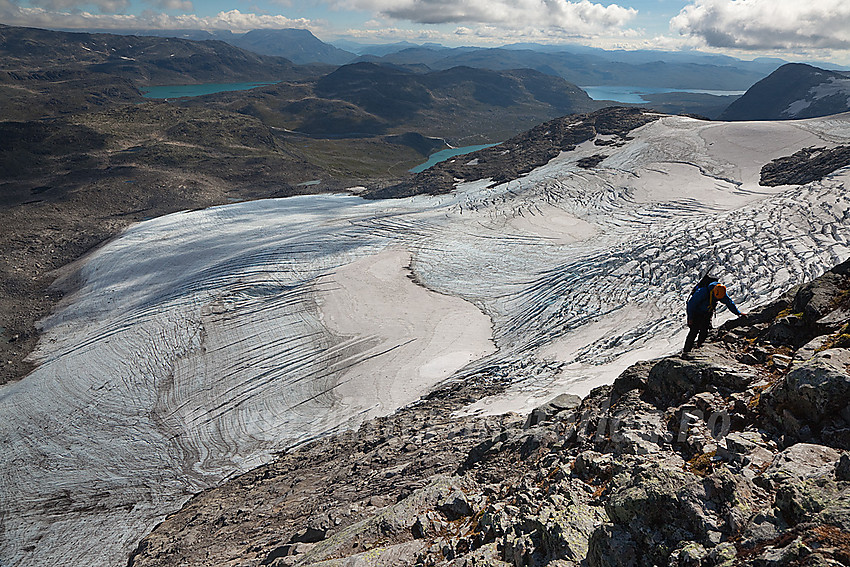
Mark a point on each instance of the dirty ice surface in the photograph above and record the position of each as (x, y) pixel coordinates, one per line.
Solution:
(200, 343)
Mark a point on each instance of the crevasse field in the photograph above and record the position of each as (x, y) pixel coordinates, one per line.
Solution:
(200, 343)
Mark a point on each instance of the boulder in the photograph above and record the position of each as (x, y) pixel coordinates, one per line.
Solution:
(689, 554)
(745, 448)
(842, 468)
(802, 461)
(552, 408)
(819, 387)
(816, 299)
(637, 430)
(810, 349)
(566, 530)
(667, 503)
(672, 381)
(612, 546)
(455, 505)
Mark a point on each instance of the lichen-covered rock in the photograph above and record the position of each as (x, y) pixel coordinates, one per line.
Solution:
(816, 299)
(807, 486)
(820, 386)
(665, 502)
(691, 554)
(552, 408)
(612, 546)
(801, 461)
(566, 530)
(745, 448)
(672, 381)
(842, 468)
(637, 430)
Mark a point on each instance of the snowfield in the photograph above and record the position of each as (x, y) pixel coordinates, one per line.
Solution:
(200, 343)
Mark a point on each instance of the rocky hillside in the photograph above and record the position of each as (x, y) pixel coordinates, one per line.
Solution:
(739, 456)
(47, 73)
(793, 91)
(523, 152)
(145, 60)
(465, 106)
(298, 45)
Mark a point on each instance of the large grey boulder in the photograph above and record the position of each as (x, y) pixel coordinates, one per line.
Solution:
(819, 388)
(808, 487)
(673, 381)
(552, 408)
(802, 461)
(612, 546)
(565, 530)
(816, 299)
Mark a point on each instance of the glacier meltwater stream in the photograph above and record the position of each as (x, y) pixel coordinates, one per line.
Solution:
(201, 343)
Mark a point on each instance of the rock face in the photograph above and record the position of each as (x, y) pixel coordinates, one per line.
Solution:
(793, 91)
(805, 166)
(739, 456)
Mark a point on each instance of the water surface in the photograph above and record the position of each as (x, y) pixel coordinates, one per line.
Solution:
(443, 155)
(177, 91)
(634, 95)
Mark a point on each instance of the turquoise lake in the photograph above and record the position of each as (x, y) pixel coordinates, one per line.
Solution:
(177, 91)
(443, 155)
(634, 94)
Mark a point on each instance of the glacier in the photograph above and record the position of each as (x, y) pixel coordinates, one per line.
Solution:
(197, 345)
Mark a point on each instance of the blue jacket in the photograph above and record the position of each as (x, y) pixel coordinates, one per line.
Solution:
(702, 302)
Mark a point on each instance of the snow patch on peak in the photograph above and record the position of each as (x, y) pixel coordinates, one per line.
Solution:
(831, 87)
(797, 107)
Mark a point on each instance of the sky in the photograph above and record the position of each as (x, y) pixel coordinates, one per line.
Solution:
(796, 30)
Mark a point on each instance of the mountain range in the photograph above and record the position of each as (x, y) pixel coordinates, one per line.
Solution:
(576, 64)
(590, 68)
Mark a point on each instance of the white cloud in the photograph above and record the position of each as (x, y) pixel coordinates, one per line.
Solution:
(16, 15)
(582, 17)
(483, 35)
(767, 24)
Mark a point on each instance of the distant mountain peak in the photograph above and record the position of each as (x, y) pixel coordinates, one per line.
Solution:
(298, 45)
(794, 91)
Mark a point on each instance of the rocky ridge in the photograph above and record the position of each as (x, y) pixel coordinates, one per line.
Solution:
(738, 456)
(522, 153)
(805, 166)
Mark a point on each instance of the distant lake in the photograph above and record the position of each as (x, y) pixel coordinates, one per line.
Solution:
(634, 94)
(177, 91)
(443, 155)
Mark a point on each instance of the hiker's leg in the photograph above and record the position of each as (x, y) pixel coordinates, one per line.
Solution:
(703, 331)
(692, 336)
(704, 325)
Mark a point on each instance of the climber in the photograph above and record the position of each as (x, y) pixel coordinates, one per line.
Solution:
(700, 310)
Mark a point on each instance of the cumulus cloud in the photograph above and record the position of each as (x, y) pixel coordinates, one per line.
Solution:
(582, 16)
(12, 13)
(767, 24)
(488, 35)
